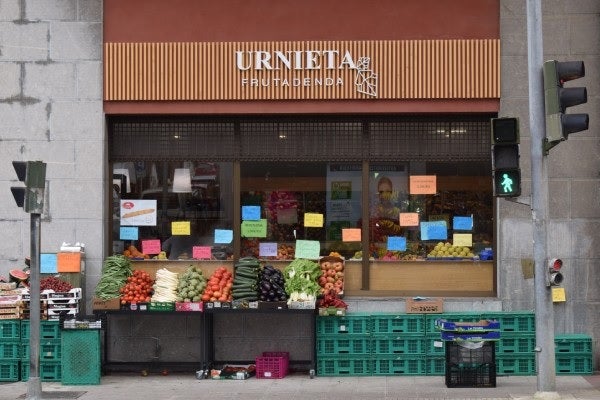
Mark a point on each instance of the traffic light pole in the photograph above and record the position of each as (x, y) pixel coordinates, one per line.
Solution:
(544, 313)
(34, 386)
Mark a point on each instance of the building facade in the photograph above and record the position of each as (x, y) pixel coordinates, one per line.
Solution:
(74, 95)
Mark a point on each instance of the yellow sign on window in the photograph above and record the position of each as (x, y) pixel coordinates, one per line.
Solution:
(313, 220)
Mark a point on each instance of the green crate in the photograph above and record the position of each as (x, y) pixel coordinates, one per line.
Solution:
(10, 350)
(9, 371)
(348, 324)
(48, 329)
(435, 365)
(399, 323)
(50, 350)
(343, 344)
(513, 321)
(515, 364)
(10, 329)
(399, 365)
(343, 366)
(515, 343)
(434, 346)
(81, 357)
(574, 343)
(398, 345)
(48, 371)
(430, 319)
(575, 364)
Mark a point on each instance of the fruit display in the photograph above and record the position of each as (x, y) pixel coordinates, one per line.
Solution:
(191, 283)
(332, 274)
(447, 250)
(218, 286)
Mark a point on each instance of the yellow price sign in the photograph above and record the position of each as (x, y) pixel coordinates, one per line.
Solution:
(558, 295)
(313, 220)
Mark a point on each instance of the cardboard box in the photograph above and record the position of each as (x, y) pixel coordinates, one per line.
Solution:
(111, 304)
(424, 305)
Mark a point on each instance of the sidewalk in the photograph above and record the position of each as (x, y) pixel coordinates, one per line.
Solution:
(301, 387)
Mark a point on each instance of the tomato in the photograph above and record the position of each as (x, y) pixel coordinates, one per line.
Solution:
(205, 297)
(217, 294)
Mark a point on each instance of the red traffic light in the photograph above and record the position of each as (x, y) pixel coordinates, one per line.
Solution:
(556, 264)
(555, 277)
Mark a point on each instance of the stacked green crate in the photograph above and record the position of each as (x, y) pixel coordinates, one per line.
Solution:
(49, 352)
(435, 348)
(10, 349)
(573, 354)
(343, 345)
(398, 345)
(515, 350)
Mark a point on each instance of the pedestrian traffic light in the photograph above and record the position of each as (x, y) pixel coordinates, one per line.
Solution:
(30, 197)
(557, 98)
(555, 277)
(505, 157)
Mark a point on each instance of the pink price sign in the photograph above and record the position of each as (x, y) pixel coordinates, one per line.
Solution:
(151, 246)
(201, 252)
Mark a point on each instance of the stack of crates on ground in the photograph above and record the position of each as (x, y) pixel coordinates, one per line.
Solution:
(50, 351)
(470, 352)
(574, 354)
(10, 349)
(81, 358)
(55, 304)
(343, 345)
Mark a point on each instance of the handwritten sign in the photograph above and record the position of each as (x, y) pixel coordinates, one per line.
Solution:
(409, 219)
(254, 229)
(48, 263)
(129, 233)
(68, 262)
(434, 230)
(250, 213)
(151, 246)
(351, 235)
(267, 249)
(313, 220)
(462, 223)
(180, 228)
(423, 184)
(223, 235)
(462, 239)
(287, 216)
(201, 252)
(558, 294)
(308, 249)
(396, 243)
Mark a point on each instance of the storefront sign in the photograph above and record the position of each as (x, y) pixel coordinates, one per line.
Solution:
(409, 219)
(351, 235)
(423, 184)
(267, 249)
(462, 239)
(308, 249)
(313, 220)
(254, 229)
(201, 252)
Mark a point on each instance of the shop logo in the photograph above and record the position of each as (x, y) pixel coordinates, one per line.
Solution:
(301, 61)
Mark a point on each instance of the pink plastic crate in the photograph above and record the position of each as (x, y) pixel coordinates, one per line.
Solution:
(272, 365)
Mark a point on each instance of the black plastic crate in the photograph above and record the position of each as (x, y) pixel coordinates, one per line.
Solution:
(471, 375)
(462, 353)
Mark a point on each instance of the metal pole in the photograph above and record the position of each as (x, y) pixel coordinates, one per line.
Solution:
(34, 387)
(544, 313)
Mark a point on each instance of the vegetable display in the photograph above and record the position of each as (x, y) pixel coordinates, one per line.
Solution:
(246, 279)
(138, 288)
(218, 287)
(332, 273)
(115, 271)
(191, 285)
(165, 286)
(271, 285)
(53, 283)
(331, 299)
(301, 280)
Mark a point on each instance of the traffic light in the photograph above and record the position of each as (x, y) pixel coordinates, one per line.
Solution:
(557, 98)
(505, 157)
(30, 197)
(555, 277)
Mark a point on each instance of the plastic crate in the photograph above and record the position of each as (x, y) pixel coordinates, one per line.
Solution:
(516, 343)
(435, 366)
(50, 350)
(10, 350)
(349, 324)
(399, 323)
(575, 343)
(9, 371)
(398, 345)
(399, 365)
(343, 344)
(515, 364)
(477, 326)
(343, 366)
(430, 319)
(81, 357)
(514, 321)
(48, 330)
(483, 375)
(576, 364)
(457, 354)
(272, 365)
(10, 329)
(48, 371)
(434, 346)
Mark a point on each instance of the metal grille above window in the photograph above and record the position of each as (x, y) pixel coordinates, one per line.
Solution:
(171, 139)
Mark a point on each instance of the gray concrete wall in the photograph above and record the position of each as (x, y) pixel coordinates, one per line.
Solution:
(51, 110)
(571, 31)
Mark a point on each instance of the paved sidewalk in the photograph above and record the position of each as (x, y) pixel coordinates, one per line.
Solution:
(301, 387)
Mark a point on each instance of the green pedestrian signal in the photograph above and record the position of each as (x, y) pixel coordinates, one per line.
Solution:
(505, 157)
(507, 182)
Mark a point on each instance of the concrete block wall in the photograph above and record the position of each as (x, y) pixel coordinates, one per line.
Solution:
(51, 110)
